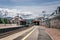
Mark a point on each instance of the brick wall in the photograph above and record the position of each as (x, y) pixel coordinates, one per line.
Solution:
(55, 23)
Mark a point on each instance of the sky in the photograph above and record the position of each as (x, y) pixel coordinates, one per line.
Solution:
(28, 8)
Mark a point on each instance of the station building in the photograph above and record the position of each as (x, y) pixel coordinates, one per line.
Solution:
(38, 21)
(18, 20)
(54, 19)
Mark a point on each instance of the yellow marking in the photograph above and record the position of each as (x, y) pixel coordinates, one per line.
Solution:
(13, 36)
(28, 34)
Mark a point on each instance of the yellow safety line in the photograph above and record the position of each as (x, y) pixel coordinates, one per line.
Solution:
(28, 34)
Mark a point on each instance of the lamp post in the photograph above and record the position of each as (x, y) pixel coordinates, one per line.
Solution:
(44, 17)
(18, 21)
(17, 14)
(44, 14)
(6, 13)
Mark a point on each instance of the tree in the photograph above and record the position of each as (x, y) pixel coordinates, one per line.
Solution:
(1, 21)
(6, 20)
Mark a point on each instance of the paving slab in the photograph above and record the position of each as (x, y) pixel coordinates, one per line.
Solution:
(43, 35)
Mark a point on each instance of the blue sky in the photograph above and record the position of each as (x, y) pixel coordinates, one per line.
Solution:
(29, 8)
(25, 2)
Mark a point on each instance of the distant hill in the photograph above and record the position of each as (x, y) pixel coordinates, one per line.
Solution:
(9, 18)
(29, 20)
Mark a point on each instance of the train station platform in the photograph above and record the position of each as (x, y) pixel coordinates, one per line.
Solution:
(17, 34)
(53, 33)
(3, 26)
(36, 33)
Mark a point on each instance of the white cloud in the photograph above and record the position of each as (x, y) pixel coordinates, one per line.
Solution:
(32, 11)
(14, 12)
(37, 10)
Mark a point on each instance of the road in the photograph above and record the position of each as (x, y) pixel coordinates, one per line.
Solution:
(33, 33)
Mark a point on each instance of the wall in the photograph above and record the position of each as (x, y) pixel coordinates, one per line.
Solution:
(55, 23)
(7, 25)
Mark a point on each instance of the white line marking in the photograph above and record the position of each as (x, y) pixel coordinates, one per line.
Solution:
(49, 35)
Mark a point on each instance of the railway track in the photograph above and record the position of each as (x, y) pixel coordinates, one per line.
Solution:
(5, 34)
